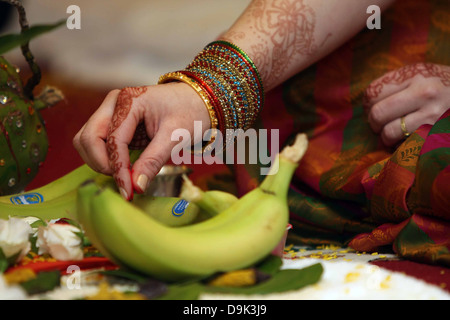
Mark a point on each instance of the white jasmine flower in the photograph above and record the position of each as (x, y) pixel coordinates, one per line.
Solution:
(30, 220)
(60, 241)
(14, 237)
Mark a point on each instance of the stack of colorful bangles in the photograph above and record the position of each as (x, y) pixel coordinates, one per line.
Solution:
(229, 84)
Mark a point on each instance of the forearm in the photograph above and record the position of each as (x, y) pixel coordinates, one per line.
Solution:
(284, 37)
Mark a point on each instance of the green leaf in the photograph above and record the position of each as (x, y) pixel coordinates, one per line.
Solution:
(84, 240)
(284, 280)
(125, 274)
(189, 291)
(33, 240)
(93, 254)
(281, 281)
(3, 262)
(33, 237)
(6, 262)
(38, 223)
(44, 281)
(11, 41)
(270, 265)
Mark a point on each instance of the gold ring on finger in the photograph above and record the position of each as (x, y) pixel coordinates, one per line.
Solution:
(403, 127)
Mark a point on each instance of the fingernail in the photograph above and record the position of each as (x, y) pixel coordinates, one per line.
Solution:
(142, 182)
(123, 193)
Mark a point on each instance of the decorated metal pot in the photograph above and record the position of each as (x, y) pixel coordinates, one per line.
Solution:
(23, 138)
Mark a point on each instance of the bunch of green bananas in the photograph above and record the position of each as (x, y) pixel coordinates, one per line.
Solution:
(238, 233)
(194, 235)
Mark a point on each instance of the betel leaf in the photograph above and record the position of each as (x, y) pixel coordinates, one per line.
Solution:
(11, 41)
(270, 265)
(282, 281)
(125, 274)
(185, 291)
(44, 281)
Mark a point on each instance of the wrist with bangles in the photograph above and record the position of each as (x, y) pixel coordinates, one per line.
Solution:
(229, 84)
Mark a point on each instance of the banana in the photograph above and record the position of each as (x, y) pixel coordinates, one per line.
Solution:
(170, 211)
(56, 199)
(63, 206)
(236, 238)
(212, 201)
(84, 193)
(228, 216)
(156, 207)
(141, 243)
(54, 189)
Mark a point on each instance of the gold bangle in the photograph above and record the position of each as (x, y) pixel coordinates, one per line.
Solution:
(174, 76)
(178, 76)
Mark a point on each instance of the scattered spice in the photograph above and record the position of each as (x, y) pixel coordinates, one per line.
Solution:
(352, 277)
(19, 276)
(32, 257)
(237, 278)
(333, 252)
(385, 283)
(105, 292)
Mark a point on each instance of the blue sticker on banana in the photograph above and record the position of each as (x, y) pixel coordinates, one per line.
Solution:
(179, 208)
(28, 198)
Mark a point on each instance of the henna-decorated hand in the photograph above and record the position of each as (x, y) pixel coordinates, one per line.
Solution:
(143, 116)
(420, 93)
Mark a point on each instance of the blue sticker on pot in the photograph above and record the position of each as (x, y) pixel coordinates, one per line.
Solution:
(27, 198)
(179, 208)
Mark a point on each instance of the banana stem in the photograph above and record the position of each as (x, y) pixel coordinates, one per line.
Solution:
(189, 191)
(282, 170)
(295, 152)
(194, 194)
